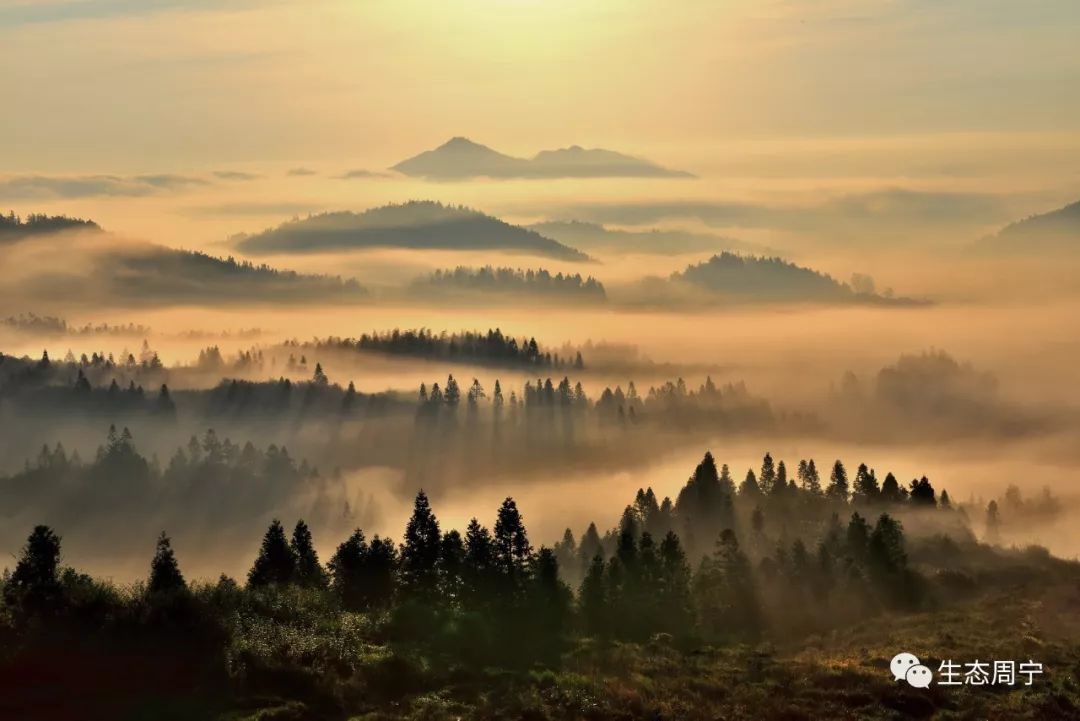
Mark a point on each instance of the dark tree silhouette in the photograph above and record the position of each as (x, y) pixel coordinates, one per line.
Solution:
(276, 562)
(838, 483)
(309, 572)
(165, 576)
(34, 584)
(420, 550)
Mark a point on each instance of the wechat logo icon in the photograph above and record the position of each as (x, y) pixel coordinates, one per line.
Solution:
(906, 667)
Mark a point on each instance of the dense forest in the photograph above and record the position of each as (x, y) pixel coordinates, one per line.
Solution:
(512, 282)
(419, 628)
(13, 227)
(52, 325)
(486, 348)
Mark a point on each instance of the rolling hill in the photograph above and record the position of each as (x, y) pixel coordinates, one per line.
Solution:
(729, 277)
(1057, 231)
(416, 224)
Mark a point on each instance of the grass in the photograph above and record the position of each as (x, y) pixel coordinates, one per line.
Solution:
(841, 674)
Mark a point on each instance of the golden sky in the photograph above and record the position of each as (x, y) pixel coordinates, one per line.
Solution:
(770, 98)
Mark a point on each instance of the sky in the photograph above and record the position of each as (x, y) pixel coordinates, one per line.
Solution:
(195, 118)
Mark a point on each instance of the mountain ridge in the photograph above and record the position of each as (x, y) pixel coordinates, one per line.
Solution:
(461, 158)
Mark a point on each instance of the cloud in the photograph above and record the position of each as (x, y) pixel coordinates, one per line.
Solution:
(253, 209)
(26, 13)
(82, 186)
(864, 210)
(296, 172)
(235, 175)
(361, 173)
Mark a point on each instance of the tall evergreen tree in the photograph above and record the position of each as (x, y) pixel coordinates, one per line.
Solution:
(276, 562)
(866, 488)
(479, 569)
(420, 549)
(512, 549)
(838, 483)
(590, 547)
(768, 474)
(347, 572)
(309, 572)
(593, 599)
(165, 576)
(922, 493)
(749, 486)
(812, 483)
(675, 603)
(35, 584)
(780, 483)
(858, 535)
(548, 604)
(891, 492)
(451, 567)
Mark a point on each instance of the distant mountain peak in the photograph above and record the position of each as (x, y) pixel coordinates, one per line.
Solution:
(460, 158)
(460, 141)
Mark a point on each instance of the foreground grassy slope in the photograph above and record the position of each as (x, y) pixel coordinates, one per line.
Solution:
(842, 674)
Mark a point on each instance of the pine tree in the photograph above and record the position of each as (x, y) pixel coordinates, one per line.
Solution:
(452, 393)
(891, 492)
(593, 599)
(512, 549)
(866, 486)
(838, 483)
(749, 486)
(548, 604)
(922, 493)
(35, 584)
(380, 571)
(347, 572)
(276, 562)
(165, 576)
(675, 604)
(451, 567)
(885, 547)
(478, 573)
(780, 484)
(768, 475)
(309, 572)
(349, 399)
(858, 535)
(812, 483)
(420, 550)
(590, 547)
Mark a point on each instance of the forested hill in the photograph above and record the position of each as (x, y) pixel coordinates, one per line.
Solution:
(1058, 230)
(511, 282)
(416, 224)
(160, 275)
(14, 228)
(753, 278)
